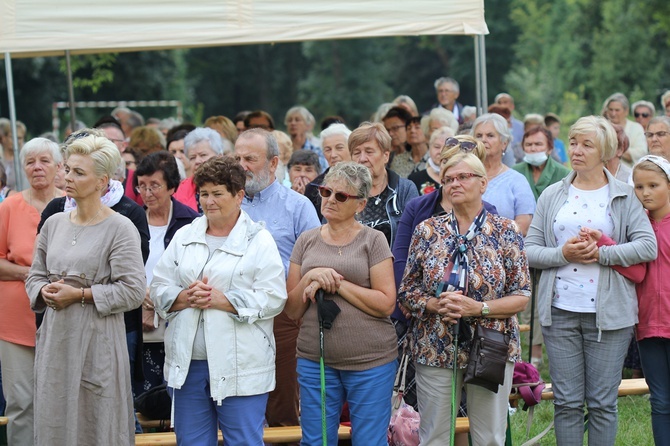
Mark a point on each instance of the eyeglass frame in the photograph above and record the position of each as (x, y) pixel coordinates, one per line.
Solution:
(660, 134)
(142, 189)
(641, 114)
(461, 177)
(325, 189)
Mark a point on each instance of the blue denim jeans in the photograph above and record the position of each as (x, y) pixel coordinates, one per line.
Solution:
(196, 415)
(368, 393)
(655, 358)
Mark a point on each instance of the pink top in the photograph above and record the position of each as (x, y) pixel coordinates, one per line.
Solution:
(186, 193)
(653, 294)
(634, 273)
(18, 232)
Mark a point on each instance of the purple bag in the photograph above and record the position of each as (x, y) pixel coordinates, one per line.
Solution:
(527, 383)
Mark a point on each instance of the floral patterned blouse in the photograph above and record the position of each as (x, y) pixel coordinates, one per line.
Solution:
(497, 266)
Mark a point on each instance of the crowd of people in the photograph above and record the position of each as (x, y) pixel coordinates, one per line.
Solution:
(276, 278)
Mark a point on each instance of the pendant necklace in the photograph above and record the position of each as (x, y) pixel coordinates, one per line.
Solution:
(75, 235)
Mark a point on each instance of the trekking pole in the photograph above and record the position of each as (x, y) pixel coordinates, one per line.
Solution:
(322, 370)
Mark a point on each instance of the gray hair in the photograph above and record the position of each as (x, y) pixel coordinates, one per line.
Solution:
(120, 172)
(302, 111)
(449, 80)
(200, 134)
(647, 104)
(499, 123)
(444, 116)
(404, 99)
(499, 96)
(665, 98)
(616, 97)
(661, 120)
(40, 145)
(469, 111)
(168, 123)
(336, 129)
(606, 140)
(135, 119)
(533, 118)
(271, 145)
(382, 110)
(356, 176)
(444, 131)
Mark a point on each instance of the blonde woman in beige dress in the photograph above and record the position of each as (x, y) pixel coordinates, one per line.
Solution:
(87, 270)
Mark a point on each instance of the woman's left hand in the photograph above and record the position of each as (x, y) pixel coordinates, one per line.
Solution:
(58, 295)
(454, 305)
(204, 296)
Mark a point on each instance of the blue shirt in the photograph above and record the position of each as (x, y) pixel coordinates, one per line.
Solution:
(511, 194)
(286, 214)
(559, 150)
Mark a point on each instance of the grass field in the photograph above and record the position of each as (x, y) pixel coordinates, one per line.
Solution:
(634, 418)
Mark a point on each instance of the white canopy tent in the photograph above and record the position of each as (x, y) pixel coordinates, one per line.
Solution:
(31, 28)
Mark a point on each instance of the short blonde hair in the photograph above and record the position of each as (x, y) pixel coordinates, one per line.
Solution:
(223, 124)
(468, 158)
(606, 140)
(106, 156)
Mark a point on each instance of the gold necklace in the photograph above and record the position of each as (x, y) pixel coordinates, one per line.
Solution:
(75, 235)
(339, 247)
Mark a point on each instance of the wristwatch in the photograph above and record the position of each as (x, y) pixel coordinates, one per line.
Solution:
(485, 309)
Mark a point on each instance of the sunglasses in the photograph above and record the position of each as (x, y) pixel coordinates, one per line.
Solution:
(643, 115)
(466, 146)
(326, 192)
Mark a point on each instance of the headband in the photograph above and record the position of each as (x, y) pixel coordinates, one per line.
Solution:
(659, 161)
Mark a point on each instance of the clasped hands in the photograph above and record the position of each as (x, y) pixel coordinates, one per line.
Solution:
(202, 296)
(583, 248)
(326, 279)
(453, 305)
(59, 295)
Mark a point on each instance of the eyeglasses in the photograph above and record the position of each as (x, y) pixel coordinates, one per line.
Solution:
(661, 134)
(153, 189)
(643, 115)
(395, 128)
(466, 146)
(326, 192)
(461, 177)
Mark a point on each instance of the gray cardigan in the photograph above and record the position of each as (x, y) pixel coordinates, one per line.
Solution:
(616, 301)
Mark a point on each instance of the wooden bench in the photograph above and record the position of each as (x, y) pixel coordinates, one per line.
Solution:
(627, 387)
(4, 421)
(286, 434)
(523, 328)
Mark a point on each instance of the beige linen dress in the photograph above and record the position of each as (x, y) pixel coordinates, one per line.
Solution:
(82, 376)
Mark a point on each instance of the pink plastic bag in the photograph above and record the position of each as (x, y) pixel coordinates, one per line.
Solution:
(404, 427)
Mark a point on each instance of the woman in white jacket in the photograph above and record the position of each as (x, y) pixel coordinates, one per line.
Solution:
(219, 285)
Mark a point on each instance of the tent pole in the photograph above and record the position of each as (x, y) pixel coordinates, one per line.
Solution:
(70, 91)
(12, 117)
(480, 71)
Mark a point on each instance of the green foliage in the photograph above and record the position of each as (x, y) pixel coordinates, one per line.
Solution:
(581, 51)
(90, 71)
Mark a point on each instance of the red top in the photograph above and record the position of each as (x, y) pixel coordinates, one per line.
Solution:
(186, 193)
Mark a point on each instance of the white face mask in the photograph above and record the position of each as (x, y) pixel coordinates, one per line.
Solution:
(535, 158)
